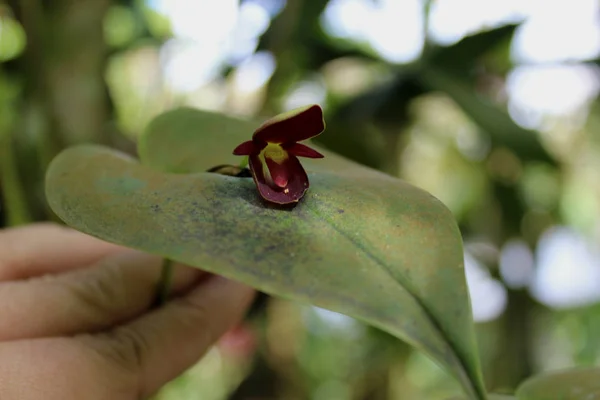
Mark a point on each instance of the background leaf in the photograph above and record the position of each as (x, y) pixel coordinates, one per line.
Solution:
(489, 397)
(187, 140)
(491, 119)
(361, 243)
(460, 56)
(574, 384)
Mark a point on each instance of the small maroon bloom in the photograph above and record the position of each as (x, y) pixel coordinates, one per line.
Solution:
(273, 151)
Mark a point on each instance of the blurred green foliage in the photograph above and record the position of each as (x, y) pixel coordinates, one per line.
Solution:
(91, 71)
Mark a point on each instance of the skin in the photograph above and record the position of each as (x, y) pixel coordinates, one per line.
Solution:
(76, 319)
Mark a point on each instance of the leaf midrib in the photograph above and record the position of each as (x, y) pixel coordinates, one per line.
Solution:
(388, 270)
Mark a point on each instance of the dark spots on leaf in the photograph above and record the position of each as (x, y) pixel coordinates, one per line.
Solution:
(126, 185)
(340, 211)
(270, 248)
(216, 225)
(155, 208)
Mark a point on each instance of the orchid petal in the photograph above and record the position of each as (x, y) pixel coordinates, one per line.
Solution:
(292, 126)
(245, 149)
(301, 150)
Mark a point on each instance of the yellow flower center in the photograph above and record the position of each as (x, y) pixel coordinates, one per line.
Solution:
(275, 152)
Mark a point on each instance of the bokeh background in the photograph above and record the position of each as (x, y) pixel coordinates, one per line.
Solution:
(491, 105)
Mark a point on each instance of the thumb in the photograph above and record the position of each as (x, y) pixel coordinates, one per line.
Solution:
(162, 344)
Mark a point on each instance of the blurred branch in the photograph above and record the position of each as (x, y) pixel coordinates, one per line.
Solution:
(64, 96)
(426, 4)
(64, 65)
(287, 39)
(14, 199)
(514, 361)
(30, 14)
(75, 69)
(33, 137)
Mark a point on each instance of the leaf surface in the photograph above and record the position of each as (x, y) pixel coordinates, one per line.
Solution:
(573, 384)
(360, 242)
(489, 397)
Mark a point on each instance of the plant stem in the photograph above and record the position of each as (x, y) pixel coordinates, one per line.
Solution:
(164, 285)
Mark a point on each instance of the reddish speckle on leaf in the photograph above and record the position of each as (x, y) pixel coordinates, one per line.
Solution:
(273, 153)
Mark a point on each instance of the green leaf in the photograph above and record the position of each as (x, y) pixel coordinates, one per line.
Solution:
(12, 38)
(489, 397)
(360, 242)
(494, 121)
(460, 56)
(188, 140)
(573, 384)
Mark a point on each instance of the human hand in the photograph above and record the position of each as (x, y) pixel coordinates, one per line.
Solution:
(76, 319)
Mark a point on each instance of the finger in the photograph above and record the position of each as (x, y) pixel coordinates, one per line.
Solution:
(110, 292)
(160, 345)
(47, 248)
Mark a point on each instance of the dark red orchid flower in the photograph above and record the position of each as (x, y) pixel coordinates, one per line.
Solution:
(273, 151)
